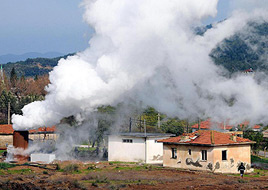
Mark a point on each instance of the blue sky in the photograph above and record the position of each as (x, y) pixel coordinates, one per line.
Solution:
(52, 25)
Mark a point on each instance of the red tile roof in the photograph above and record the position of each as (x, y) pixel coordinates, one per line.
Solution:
(8, 129)
(208, 124)
(207, 137)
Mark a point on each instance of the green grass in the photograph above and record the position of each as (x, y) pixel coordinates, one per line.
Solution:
(118, 162)
(4, 165)
(81, 149)
(259, 159)
(2, 151)
(21, 171)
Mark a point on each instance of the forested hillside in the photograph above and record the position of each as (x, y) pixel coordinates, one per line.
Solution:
(244, 50)
(33, 67)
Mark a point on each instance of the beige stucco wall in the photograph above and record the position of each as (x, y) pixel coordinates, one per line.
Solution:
(184, 160)
(235, 155)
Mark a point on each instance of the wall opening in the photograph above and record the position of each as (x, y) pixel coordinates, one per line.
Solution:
(174, 153)
(127, 140)
(224, 155)
(204, 154)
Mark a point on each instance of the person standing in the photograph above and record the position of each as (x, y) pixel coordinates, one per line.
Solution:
(241, 169)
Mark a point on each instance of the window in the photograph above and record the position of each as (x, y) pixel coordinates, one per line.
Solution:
(174, 153)
(224, 155)
(204, 154)
(127, 141)
(190, 152)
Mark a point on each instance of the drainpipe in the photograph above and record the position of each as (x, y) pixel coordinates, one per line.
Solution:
(145, 139)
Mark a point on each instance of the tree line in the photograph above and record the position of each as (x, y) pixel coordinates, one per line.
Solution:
(18, 92)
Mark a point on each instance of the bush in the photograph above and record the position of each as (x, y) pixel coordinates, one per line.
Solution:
(45, 172)
(57, 166)
(71, 168)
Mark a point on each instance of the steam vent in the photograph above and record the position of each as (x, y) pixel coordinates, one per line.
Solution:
(20, 140)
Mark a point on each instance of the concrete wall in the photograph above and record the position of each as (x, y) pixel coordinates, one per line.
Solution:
(127, 152)
(135, 152)
(154, 150)
(8, 139)
(42, 137)
(235, 155)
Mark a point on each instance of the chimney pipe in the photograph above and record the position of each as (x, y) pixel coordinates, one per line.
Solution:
(20, 140)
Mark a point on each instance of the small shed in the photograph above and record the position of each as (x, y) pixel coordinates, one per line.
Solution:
(136, 147)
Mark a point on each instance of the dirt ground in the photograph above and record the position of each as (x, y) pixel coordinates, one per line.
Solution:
(118, 175)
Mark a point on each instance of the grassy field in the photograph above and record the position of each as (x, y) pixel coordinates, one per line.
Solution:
(122, 175)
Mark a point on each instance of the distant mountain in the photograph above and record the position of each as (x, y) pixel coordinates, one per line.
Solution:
(33, 67)
(246, 49)
(14, 58)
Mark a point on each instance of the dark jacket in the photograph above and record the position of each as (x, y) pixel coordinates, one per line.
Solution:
(241, 168)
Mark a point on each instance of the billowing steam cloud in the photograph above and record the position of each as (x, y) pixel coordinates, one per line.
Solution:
(148, 51)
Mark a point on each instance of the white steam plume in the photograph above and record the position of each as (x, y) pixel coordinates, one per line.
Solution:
(147, 50)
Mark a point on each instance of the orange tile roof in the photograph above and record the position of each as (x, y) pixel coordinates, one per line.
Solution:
(257, 127)
(206, 137)
(208, 124)
(8, 129)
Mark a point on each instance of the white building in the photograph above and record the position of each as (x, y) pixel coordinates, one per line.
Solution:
(136, 147)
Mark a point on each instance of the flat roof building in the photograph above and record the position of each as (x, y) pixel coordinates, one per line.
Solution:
(136, 147)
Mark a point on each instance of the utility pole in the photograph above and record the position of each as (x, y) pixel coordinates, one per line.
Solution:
(144, 125)
(198, 123)
(158, 118)
(140, 123)
(8, 114)
(187, 126)
(130, 123)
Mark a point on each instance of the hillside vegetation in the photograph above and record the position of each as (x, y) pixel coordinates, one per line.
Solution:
(33, 67)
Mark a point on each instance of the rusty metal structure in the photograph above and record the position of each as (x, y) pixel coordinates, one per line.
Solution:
(21, 140)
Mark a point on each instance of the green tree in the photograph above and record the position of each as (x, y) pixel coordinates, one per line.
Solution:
(174, 126)
(13, 77)
(254, 136)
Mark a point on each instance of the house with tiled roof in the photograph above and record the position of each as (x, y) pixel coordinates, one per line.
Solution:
(207, 150)
(40, 134)
(209, 125)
